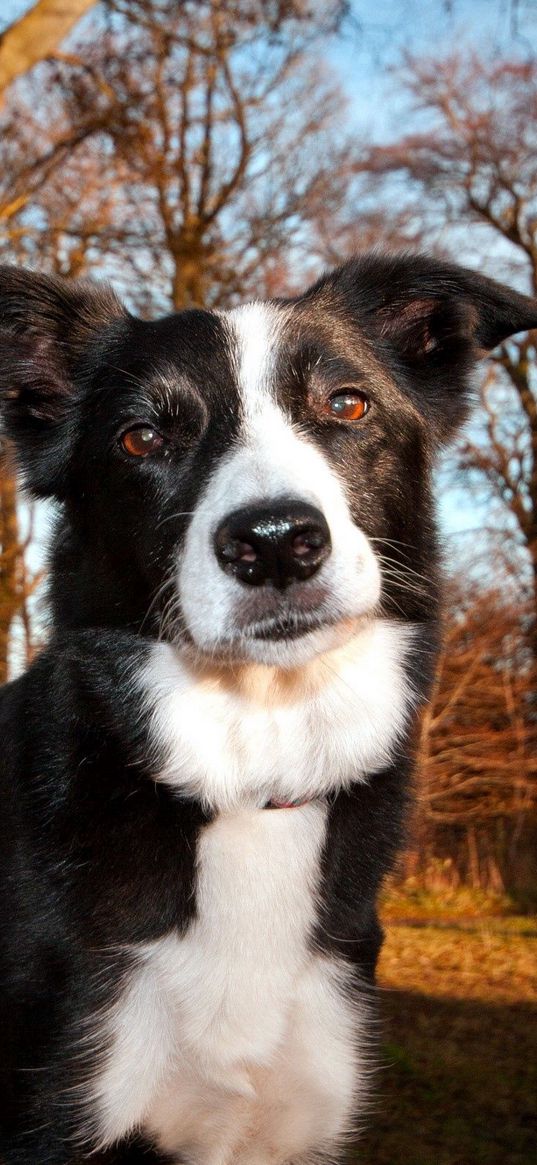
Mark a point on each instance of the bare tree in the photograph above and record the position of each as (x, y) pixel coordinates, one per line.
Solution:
(477, 772)
(205, 137)
(476, 165)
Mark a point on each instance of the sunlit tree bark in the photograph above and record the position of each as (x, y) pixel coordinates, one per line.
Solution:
(36, 35)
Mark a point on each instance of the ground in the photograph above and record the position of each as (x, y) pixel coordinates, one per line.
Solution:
(458, 1081)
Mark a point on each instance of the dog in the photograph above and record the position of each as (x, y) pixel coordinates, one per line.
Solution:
(204, 774)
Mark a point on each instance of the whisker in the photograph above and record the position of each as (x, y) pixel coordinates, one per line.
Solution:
(179, 514)
(404, 584)
(156, 599)
(401, 566)
(391, 542)
(130, 375)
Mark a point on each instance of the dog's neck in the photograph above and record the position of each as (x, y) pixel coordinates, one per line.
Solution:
(255, 735)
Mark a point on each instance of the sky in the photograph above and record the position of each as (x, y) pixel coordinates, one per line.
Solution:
(366, 58)
(373, 44)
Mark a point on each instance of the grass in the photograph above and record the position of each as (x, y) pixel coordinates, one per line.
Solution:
(458, 1081)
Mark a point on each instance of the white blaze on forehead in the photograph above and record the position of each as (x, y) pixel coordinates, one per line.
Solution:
(256, 329)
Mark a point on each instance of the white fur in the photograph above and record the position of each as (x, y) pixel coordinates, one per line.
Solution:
(236, 1044)
(257, 328)
(244, 736)
(272, 460)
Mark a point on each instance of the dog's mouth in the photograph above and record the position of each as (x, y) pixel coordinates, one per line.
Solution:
(279, 619)
(286, 626)
(287, 638)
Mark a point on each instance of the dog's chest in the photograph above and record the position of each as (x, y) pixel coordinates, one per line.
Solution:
(216, 1030)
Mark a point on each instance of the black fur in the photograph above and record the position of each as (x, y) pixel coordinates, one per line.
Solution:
(94, 853)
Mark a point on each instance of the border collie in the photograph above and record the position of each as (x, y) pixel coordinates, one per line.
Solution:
(204, 774)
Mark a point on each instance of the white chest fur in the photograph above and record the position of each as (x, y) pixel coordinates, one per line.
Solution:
(247, 736)
(235, 1043)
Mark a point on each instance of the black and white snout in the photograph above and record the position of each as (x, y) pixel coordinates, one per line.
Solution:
(273, 545)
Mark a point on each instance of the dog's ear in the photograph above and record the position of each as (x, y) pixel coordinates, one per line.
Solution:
(50, 331)
(433, 320)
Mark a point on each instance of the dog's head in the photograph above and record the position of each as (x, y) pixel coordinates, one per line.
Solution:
(250, 483)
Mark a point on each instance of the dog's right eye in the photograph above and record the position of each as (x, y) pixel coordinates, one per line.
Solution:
(351, 404)
(141, 441)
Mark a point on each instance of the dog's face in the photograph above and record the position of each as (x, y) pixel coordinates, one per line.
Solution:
(250, 483)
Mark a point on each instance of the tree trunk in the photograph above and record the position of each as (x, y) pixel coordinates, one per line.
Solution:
(190, 257)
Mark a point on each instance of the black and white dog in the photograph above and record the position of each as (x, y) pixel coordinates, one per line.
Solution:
(204, 774)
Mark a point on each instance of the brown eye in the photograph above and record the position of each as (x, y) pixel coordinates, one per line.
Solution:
(348, 405)
(141, 442)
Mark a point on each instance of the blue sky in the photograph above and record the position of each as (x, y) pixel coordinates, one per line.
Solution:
(383, 30)
(367, 58)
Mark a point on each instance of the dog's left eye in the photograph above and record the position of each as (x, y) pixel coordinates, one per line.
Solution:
(141, 441)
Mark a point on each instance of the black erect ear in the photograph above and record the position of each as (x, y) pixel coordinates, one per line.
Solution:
(432, 321)
(48, 328)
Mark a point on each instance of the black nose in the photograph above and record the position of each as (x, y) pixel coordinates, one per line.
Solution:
(276, 544)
